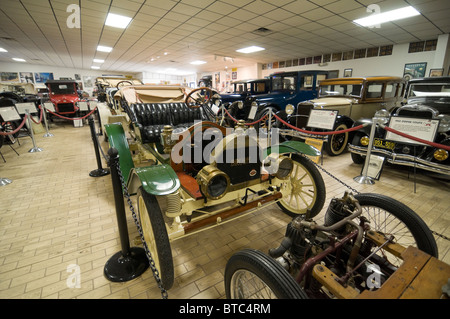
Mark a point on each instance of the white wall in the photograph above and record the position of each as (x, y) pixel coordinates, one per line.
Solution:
(59, 72)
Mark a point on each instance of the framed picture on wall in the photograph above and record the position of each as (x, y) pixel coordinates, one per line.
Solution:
(26, 77)
(436, 72)
(9, 76)
(43, 77)
(348, 73)
(414, 70)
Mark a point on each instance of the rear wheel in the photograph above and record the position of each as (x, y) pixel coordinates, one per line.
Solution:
(250, 274)
(155, 235)
(337, 142)
(303, 190)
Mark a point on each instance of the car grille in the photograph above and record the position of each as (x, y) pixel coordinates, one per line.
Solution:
(303, 110)
(65, 107)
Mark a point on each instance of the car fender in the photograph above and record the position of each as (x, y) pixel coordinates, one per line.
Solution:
(155, 179)
(118, 140)
(291, 147)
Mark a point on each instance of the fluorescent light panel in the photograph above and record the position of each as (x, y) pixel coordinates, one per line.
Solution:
(250, 49)
(3, 50)
(19, 60)
(198, 62)
(117, 21)
(98, 61)
(388, 16)
(102, 48)
(95, 67)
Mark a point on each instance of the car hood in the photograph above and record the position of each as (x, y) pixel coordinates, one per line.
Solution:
(64, 99)
(441, 104)
(325, 101)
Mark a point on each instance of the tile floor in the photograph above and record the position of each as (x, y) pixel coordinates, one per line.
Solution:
(54, 215)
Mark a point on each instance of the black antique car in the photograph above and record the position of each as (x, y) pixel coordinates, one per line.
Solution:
(427, 105)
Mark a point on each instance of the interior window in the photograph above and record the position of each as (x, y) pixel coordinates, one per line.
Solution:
(306, 82)
(391, 88)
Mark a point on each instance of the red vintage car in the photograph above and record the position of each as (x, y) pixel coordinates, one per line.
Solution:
(64, 96)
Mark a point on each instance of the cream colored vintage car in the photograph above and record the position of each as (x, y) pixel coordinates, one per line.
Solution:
(353, 99)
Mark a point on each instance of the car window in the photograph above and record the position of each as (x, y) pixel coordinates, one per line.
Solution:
(260, 87)
(341, 89)
(429, 89)
(374, 90)
(284, 83)
(319, 78)
(391, 89)
(306, 82)
(62, 88)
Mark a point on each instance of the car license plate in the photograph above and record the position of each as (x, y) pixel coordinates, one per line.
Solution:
(378, 142)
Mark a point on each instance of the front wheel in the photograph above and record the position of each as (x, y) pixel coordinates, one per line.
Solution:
(155, 235)
(250, 274)
(303, 190)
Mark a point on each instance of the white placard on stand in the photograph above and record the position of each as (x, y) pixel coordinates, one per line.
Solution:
(49, 106)
(83, 105)
(92, 104)
(9, 113)
(323, 119)
(424, 129)
(22, 107)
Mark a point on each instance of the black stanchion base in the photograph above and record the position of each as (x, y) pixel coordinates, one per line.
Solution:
(121, 268)
(98, 172)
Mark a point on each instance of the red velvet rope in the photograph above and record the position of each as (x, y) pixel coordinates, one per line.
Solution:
(40, 116)
(248, 124)
(17, 129)
(71, 118)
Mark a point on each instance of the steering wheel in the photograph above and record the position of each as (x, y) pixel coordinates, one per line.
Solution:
(121, 83)
(201, 99)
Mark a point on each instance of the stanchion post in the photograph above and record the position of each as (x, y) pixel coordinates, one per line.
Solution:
(363, 178)
(30, 128)
(48, 134)
(100, 171)
(129, 263)
(5, 181)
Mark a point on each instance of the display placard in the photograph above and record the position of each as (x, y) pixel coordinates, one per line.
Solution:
(323, 119)
(424, 129)
(83, 105)
(252, 114)
(9, 113)
(49, 106)
(93, 104)
(23, 107)
(376, 164)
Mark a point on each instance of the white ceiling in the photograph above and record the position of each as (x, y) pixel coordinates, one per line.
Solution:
(37, 31)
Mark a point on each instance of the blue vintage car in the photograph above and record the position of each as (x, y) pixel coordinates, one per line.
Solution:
(245, 88)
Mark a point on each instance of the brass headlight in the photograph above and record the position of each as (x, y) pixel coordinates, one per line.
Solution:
(440, 154)
(364, 140)
(289, 109)
(279, 166)
(213, 182)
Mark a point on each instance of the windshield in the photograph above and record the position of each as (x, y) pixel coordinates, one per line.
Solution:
(341, 89)
(59, 88)
(429, 89)
(284, 83)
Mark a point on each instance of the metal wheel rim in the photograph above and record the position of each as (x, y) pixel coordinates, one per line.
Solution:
(245, 284)
(299, 190)
(147, 230)
(339, 141)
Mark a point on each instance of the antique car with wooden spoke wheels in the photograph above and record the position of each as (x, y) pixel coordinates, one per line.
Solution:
(369, 246)
(353, 99)
(190, 173)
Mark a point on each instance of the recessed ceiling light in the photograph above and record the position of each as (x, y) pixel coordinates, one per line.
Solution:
(387, 16)
(19, 60)
(117, 21)
(3, 50)
(250, 49)
(95, 67)
(98, 61)
(102, 48)
(198, 62)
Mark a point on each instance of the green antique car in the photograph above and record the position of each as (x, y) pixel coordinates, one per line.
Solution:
(188, 172)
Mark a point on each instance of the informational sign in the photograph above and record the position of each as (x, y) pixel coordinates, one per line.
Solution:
(323, 119)
(83, 105)
(252, 114)
(49, 106)
(23, 107)
(376, 164)
(9, 113)
(424, 129)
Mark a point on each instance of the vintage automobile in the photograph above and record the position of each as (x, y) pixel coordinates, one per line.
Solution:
(64, 96)
(245, 88)
(354, 254)
(189, 172)
(16, 92)
(107, 85)
(353, 99)
(428, 99)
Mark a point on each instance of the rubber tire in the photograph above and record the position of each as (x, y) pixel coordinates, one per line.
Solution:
(356, 158)
(419, 230)
(261, 114)
(161, 239)
(267, 269)
(328, 145)
(318, 181)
